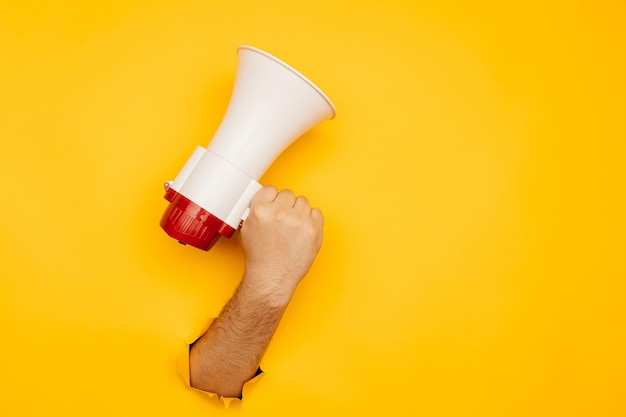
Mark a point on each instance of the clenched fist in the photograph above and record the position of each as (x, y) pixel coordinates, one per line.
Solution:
(281, 237)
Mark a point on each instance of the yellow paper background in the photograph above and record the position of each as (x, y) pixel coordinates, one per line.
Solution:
(472, 183)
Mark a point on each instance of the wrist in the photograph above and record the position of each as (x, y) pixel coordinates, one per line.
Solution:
(267, 288)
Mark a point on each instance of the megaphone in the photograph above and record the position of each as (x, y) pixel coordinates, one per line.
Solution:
(271, 105)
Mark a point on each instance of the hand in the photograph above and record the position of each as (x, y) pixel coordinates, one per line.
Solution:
(281, 237)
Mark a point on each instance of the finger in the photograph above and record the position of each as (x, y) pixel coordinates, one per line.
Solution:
(286, 197)
(302, 203)
(266, 194)
(317, 214)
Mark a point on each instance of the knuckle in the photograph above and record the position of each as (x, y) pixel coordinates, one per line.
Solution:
(282, 214)
(259, 210)
(285, 191)
(310, 229)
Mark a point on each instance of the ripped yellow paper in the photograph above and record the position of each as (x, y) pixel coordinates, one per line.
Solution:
(182, 367)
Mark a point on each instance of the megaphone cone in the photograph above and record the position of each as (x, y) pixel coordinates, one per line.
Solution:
(271, 105)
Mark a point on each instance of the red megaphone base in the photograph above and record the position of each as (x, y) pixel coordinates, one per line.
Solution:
(190, 224)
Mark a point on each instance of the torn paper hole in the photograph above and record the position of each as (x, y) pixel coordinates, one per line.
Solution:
(182, 368)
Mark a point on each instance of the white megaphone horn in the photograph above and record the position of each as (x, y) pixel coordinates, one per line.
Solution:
(271, 105)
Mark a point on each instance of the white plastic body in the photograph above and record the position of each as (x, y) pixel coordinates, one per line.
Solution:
(271, 105)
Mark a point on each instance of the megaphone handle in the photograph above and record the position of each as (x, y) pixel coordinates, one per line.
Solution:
(242, 208)
(244, 216)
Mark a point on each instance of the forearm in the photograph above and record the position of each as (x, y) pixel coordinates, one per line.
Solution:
(229, 353)
(280, 237)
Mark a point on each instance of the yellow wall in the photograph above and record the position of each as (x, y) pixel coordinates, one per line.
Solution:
(472, 183)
